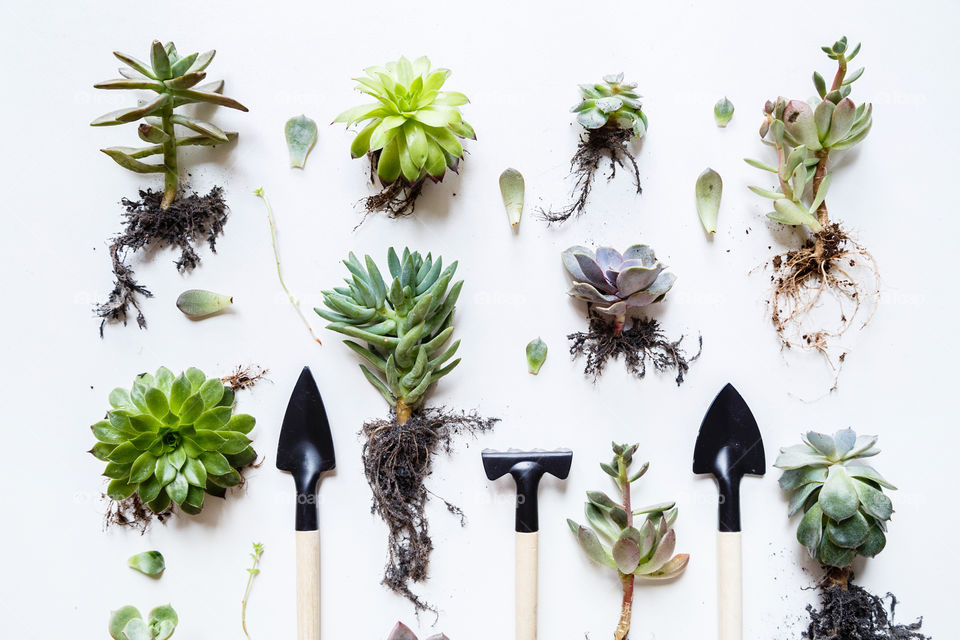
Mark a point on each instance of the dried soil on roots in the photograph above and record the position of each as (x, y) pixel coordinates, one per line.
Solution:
(826, 266)
(186, 224)
(397, 459)
(396, 199)
(644, 342)
(597, 144)
(856, 614)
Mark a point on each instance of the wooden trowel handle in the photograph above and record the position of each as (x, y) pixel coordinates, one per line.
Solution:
(730, 585)
(308, 585)
(526, 586)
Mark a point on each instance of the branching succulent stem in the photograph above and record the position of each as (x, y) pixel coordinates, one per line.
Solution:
(253, 571)
(822, 217)
(171, 175)
(627, 580)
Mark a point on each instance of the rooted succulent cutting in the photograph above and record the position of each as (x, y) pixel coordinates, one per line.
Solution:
(613, 540)
(412, 131)
(804, 136)
(612, 114)
(126, 623)
(614, 285)
(402, 327)
(170, 218)
(174, 80)
(845, 515)
(170, 440)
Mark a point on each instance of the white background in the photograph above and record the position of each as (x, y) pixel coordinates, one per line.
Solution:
(520, 64)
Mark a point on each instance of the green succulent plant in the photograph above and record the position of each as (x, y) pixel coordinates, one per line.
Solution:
(173, 439)
(413, 127)
(845, 511)
(804, 134)
(175, 80)
(405, 325)
(614, 538)
(612, 103)
(126, 623)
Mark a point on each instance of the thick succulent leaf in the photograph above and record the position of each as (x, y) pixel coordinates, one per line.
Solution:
(644, 253)
(634, 279)
(845, 440)
(149, 563)
(875, 542)
(163, 620)
(589, 293)
(591, 545)
(822, 115)
(201, 126)
(592, 118)
(839, 499)
(119, 620)
(708, 190)
(842, 122)
(136, 629)
(810, 529)
(863, 447)
(196, 95)
(647, 539)
(823, 443)
(799, 122)
(799, 497)
(401, 632)
(834, 556)
(571, 264)
(626, 555)
(789, 212)
(873, 500)
(594, 274)
(598, 520)
(671, 569)
(661, 555)
(849, 533)
(124, 159)
(794, 478)
(389, 166)
(866, 472)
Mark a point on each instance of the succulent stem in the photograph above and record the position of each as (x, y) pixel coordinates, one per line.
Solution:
(618, 323)
(626, 579)
(403, 411)
(171, 175)
(841, 73)
(822, 217)
(839, 577)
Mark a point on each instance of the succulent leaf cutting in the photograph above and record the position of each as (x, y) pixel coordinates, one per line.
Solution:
(411, 132)
(126, 623)
(804, 136)
(170, 440)
(615, 285)
(401, 327)
(170, 218)
(612, 114)
(845, 513)
(615, 538)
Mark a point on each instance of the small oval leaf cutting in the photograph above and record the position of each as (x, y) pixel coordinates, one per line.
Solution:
(536, 354)
(301, 134)
(709, 190)
(149, 563)
(199, 303)
(512, 189)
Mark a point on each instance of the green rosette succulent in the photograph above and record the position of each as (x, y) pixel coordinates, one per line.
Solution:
(845, 511)
(176, 82)
(173, 439)
(612, 103)
(405, 326)
(413, 128)
(126, 623)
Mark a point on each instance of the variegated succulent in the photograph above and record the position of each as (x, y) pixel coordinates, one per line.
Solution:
(804, 133)
(175, 80)
(845, 511)
(172, 439)
(405, 325)
(612, 103)
(413, 127)
(613, 283)
(614, 539)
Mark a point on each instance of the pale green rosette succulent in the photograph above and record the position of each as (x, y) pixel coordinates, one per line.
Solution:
(611, 103)
(845, 511)
(172, 439)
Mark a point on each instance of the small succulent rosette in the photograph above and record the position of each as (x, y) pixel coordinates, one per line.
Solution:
(614, 284)
(172, 440)
(612, 103)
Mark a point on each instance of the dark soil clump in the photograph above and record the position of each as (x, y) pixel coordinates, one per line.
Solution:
(610, 142)
(643, 342)
(397, 459)
(821, 266)
(187, 223)
(856, 614)
(396, 199)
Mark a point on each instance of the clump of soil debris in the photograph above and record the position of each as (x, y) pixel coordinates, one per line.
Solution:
(132, 513)
(397, 459)
(825, 264)
(397, 199)
(850, 612)
(611, 142)
(187, 223)
(643, 342)
(245, 377)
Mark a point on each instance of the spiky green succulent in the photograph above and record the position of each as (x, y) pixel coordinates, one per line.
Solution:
(614, 539)
(173, 439)
(804, 134)
(612, 103)
(845, 511)
(175, 80)
(413, 127)
(613, 283)
(403, 327)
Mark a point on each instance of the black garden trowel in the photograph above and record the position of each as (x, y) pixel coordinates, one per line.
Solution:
(306, 451)
(527, 467)
(728, 447)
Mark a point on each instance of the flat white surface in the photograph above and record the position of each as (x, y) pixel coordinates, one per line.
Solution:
(519, 63)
